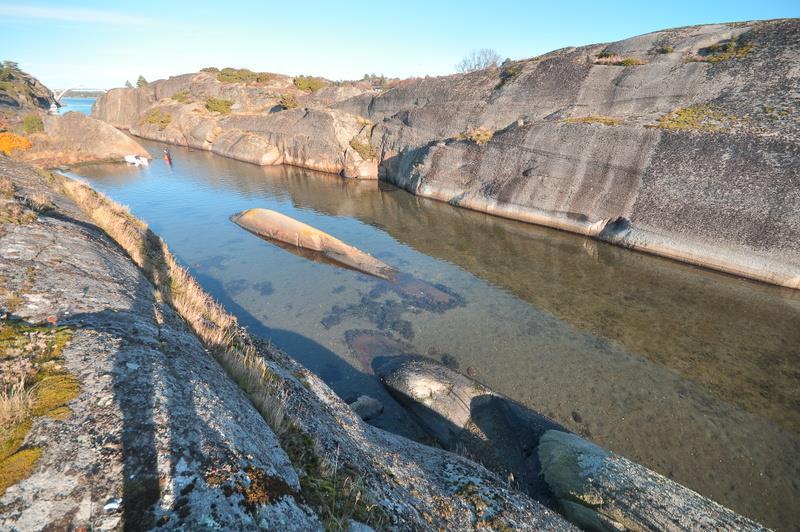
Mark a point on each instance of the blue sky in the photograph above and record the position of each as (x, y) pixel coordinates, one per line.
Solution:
(103, 43)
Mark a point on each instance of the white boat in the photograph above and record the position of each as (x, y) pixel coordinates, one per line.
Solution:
(136, 160)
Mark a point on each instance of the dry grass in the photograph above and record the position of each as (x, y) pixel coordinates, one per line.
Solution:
(38, 201)
(595, 119)
(478, 135)
(218, 330)
(697, 117)
(618, 60)
(722, 51)
(6, 187)
(16, 401)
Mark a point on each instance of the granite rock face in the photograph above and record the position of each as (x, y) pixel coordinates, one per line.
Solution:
(76, 138)
(591, 147)
(159, 437)
(258, 130)
(681, 143)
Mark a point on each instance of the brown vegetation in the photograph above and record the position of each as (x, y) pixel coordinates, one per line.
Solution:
(595, 119)
(617, 60)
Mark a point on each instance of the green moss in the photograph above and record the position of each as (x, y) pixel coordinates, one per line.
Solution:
(53, 391)
(217, 105)
(61, 413)
(696, 117)
(365, 150)
(158, 118)
(12, 437)
(309, 83)
(15, 335)
(18, 466)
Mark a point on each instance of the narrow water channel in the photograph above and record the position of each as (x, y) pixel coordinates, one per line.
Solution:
(690, 372)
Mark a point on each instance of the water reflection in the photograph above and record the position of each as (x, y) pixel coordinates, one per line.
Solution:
(691, 372)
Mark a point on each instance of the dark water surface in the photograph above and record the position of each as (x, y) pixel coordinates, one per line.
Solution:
(690, 372)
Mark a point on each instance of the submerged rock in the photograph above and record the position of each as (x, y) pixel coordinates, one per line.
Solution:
(600, 490)
(367, 407)
(595, 488)
(275, 226)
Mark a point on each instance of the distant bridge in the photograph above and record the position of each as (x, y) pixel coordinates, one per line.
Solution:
(59, 95)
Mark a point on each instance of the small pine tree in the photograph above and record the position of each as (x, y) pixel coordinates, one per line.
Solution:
(128, 84)
(141, 82)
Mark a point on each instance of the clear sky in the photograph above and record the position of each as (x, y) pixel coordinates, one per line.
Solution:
(103, 43)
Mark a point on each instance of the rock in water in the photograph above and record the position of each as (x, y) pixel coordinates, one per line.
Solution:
(367, 407)
(280, 228)
(595, 488)
(600, 490)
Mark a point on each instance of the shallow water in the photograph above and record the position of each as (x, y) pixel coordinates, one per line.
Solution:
(690, 372)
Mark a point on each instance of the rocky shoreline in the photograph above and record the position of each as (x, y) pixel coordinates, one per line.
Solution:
(277, 451)
(679, 153)
(179, 418)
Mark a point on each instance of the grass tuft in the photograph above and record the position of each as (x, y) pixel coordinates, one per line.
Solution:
(605, 58)
(182, 96)
(478, 135)
(218, 105)
(696, 117)
(595, 119)
(288, 101)
(157, 118)
(722, 51)
(309, 83)
(366, 150)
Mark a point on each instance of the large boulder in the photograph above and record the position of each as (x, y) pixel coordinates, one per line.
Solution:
(599, 490)
(122, 108)
(76, 138)
(596, 489)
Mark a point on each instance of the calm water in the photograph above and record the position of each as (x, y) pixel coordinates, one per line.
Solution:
(692, 373)
(81, 105)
